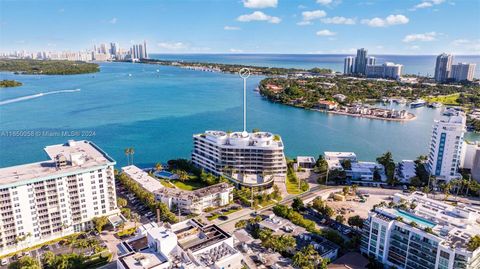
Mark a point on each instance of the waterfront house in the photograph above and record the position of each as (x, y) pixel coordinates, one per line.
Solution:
(326, 105)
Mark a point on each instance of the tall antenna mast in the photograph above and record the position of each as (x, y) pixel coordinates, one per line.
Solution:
(244, 73)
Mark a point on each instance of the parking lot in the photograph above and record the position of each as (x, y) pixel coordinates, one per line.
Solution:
(136, 206)
(57, 248)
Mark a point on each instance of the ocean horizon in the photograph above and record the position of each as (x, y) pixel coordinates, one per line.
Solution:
(413, 64)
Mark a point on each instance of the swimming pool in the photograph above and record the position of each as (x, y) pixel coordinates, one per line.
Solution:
(163, 174)
(410, 217)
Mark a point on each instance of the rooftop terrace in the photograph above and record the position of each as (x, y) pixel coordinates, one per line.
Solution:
(74, 155)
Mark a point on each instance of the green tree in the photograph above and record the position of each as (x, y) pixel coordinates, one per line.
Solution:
(308, 258)
(121, 202)
(48, 259)
(356, 221)
(298, 204)
(474, 243)
(182, 175)
(26, 262)
(340, 218)
(99, 223)
(387, 161)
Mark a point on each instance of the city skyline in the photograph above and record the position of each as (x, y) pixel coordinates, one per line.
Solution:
(249, 26)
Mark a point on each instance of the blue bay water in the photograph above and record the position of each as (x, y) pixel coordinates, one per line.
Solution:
(157, 113)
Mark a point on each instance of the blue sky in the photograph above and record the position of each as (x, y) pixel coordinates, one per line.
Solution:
(245, 26)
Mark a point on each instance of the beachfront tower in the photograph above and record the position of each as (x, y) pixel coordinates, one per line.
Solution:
(446, 145)
(348, 65)
(463, 72)
(443, 67)
(361, 61)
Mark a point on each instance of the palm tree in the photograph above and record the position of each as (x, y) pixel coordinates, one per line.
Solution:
(132, 151)
(182, 175)
(127, 153)
(159, 167)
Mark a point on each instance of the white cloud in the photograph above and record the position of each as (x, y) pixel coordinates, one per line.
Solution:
(431, 36)
(172, 45)
(303, 23)
(388, 21)
(324, 2)
(258, 16)
(338, 20)
(235, 50)
(325, 33)
(113, 21)
(414, 47)
(260, 3)
(427, 4)
(314, 14)
(231, 28)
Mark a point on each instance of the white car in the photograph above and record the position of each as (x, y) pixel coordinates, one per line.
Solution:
(4, 261)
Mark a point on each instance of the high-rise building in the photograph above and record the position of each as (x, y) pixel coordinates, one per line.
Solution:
(443, 67)
(145, 53)
(50, 199)
(386, 70)
(246, 158)
(348, 65)
(371, 60)
(392, 70)
(446, 144)
(425, 234)
(463, 72)
(361, 61)
(139, 51)
(114, 48)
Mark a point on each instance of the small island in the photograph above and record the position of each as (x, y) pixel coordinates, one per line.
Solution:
(47, 67)
(9, 83)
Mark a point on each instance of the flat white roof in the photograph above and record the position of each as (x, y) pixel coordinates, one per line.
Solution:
(305, 159)
(339, 155)
(89, 154)
(141, 177)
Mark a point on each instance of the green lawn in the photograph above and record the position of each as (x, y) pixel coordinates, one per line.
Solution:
(166, 184)
(450, 99)
(189, 185)
(292, 187)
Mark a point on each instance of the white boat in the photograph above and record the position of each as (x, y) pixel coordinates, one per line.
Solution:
(417, 103)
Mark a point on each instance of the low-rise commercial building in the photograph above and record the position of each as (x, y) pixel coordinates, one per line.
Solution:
(46, 200)
(366, 173)
(420, 232)
(406, 170)
(305, 162)
(334, 159)
(188, 245)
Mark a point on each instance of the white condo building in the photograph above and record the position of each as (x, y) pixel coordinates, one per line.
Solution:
(446, 144)
(46, 200)
(252, 159)
(349, 65)
(187, 245)
(443, 67)
(463, 72)
(386, 70)
(196, 201)
(422, 233)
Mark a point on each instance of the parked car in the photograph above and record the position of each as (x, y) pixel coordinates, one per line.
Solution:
(4, 261)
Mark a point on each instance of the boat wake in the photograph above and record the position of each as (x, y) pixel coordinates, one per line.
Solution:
(33, 96)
